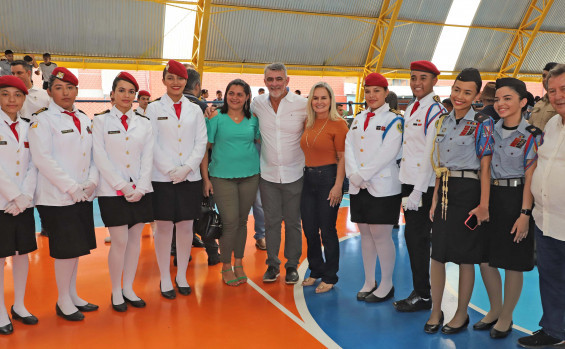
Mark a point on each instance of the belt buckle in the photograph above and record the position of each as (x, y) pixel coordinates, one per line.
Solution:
(496, 182)
(514, 182)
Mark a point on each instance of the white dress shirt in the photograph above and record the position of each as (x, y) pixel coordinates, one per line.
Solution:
(18, 175)
(62, 155)
(282, 159)
(547, 181)
(35, 100)
(122, 156)
(419, 131)
(177, 141)
(373, 157)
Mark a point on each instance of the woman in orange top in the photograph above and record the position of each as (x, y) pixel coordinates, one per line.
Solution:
(323, 143)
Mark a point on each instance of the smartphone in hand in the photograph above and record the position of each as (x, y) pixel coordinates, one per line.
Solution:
(472, 222)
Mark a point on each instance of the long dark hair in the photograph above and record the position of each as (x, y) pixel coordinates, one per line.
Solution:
(246, 89)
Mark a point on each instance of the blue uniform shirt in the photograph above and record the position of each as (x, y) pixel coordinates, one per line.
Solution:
(514, 154)
(462, 145)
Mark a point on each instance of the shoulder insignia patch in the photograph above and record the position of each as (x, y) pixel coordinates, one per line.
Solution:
(480, 117)
(399, 127)
(34, 124)
(39, 111)
(534, 130)
(395, 111)
(104, 112)
(25, 119)
(437, 99)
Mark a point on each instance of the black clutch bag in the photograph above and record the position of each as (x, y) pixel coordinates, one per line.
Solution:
(209, 225)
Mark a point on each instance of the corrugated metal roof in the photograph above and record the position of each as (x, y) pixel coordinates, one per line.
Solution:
(289, 38)
(483, 50)
(501, 13)
(368, 8)
(425, 10)
(554, 19)
(125, 28)
(545, 48)
(410, 43)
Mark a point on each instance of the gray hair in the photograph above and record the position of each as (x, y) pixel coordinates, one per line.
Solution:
(276, 67)
(558, 70)
(192, 81)
(23, 63)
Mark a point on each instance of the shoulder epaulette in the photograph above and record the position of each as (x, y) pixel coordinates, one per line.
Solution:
(158, 99)
(437, 99)
(534, 130)
(395, 111)
(25, 119)
(81, 111)
(143, 116)
(104, 112)
(39, 111)
(481, 117)
(443, 115)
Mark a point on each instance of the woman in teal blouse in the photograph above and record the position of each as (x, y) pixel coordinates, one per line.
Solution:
(233, 174)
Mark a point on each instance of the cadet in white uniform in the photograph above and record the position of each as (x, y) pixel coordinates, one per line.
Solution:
(418, 180)
(143, 100)
(123, 153)
(179, 130)
(36, 98)
(61, 147)
(18, 177)
(371, 148)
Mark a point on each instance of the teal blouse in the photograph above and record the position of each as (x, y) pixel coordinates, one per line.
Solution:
(234, 154)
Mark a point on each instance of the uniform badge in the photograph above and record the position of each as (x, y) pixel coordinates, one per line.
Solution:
(437, 99)
(162, 118)
(381, 128)
(518, 142)
(60, 75)
(399, 127)
(67, 131)
(88, 129)
(354, 128)
(34, 125)
(113, 132)
(3, 142)
(468, 130)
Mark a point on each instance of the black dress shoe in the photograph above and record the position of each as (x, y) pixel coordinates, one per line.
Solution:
(433, 328)
(483, 326)
(452, 330)
(86, 308)
(361, 295)
(7, 329)
(213, 259)
(76, 316)
(291, 276)
(196, 242)
(168, 294)
(374, 299)
(413, 303)
(26, 320)
(185, 291)
(118, 307)
(140, 303)
(496, 334)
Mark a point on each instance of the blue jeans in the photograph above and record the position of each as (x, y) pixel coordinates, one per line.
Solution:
(551, 267)
(259, 217)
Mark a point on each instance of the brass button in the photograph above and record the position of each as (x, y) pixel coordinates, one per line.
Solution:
(403, 159)
(17, 162)
(127, 138)
(362, 137)
(127, 166)
(127, 152)
(417, 164)
(361, 150)
(83, 170)
(83, 154)
(17, 173)
(361, 165)
(180, 139)
(180, 154)
(404, 142)
(179, 125)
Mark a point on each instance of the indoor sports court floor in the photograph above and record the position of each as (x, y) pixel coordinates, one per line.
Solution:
(255, 315)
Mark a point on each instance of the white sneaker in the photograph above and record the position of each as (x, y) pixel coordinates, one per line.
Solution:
(108, 239)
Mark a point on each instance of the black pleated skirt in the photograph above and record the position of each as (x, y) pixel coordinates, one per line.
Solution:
(177, 202)
(17, 233)
(366, 208)
(117, 211)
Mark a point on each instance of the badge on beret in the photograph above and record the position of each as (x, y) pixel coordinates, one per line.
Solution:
(436, 98)
(60, 75)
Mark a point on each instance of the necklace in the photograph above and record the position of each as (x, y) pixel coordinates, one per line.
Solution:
(314, 141)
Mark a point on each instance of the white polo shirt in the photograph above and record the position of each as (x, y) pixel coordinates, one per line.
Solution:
(547, 181)
(282, 159)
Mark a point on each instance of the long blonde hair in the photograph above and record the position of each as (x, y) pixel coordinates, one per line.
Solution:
(334, 116)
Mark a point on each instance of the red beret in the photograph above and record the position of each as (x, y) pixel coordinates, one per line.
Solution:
(12, 81)
(130, 78)
(143, 93)
(64, 74)
(376, 79)
(176, 68)
(425, 66)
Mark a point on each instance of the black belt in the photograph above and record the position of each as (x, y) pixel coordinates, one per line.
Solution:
(464, 174)
(509, 182)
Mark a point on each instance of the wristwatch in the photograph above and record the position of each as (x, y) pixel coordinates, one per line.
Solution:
(526, 211)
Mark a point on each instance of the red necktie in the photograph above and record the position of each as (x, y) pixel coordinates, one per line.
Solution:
(75, 119)
(416, 105)
(14, 131)
(177, 109)
(124, 121)
(369, 116)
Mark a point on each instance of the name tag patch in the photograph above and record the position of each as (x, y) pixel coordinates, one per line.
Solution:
(3, 142)
(162, 118)
(113, 132)
(381, 128)
(354, 128)
(67, 131)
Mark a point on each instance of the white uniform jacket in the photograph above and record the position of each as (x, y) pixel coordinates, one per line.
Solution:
(122, 156)
(18, 175)
(140, 111)
(62, 155)
(177, 141)
(419, 131)
(372, 153)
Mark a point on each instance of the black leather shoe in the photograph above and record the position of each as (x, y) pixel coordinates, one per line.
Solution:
(291, 276)
(213, 259)
(374, 299)
(26, 320)
(168, 294)
(185, 291)
(496, 334)
(86, 308)
(483, 326)
(433, 328)
(140, 303)
(361, 295)
(8, 329)
(76, 316)
(271, 274)
(196, 242)
(452, 330)
(539, 339)
(118, 307)
(413, 303)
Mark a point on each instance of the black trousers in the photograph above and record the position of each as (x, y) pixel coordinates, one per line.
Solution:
(417, 234)
(319, 218)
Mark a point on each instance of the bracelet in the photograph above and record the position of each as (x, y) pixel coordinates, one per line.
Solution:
(526, 211)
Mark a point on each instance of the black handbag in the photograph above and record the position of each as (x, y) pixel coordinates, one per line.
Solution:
(209, 225)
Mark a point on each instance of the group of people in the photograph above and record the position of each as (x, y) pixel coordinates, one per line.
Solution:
(451, 171)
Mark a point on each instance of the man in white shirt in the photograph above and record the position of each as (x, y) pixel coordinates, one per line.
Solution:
(37, 98)
(281, 122)
(46, 68)
(549, 215)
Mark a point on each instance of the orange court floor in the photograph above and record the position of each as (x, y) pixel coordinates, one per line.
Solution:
(253, 315)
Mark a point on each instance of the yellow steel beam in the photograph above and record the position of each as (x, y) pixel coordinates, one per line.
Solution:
(384, 25)
(200, 35)
(522, 40)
